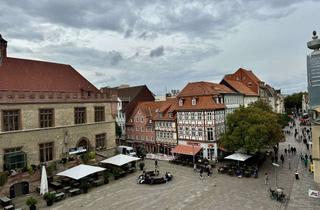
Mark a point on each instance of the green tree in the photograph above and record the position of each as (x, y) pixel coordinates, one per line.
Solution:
(252, 128)
(293, 102)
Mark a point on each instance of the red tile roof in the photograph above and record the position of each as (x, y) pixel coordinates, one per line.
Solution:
(31, 75)
(250, 74)
(203, 89)
(239, 87)
(203, 103)
(168, 106)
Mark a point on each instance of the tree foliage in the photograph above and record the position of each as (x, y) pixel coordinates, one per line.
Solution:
(252, 128)
(293, 102)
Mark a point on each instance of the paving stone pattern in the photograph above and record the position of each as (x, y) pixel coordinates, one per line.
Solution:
(188, 191)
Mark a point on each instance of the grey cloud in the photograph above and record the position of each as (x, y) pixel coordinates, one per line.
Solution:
(128, 33)
(157, 52)
(194, 18)
(115, 57)
(99, 74)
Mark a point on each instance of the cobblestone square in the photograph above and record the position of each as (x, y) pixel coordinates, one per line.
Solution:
(188, 191)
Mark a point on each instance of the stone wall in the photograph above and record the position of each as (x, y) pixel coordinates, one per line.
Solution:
(65, 134)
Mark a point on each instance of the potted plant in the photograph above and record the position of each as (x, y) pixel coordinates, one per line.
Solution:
(49, 197)
(141, 166)
(32, 202)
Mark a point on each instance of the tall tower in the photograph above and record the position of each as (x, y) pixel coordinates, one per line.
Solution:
(313, 69)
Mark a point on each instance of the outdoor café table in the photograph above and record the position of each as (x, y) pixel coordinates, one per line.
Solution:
(56, 185)
(66, 188)
(5, 201)
(74, 191)
(59, 196)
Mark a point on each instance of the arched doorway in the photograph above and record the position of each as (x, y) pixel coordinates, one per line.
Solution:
(84, 142)
(18, 189)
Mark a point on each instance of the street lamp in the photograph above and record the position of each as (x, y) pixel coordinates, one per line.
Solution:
(275, 169)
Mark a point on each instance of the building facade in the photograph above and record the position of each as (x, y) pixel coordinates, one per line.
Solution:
(48, 111)
(313, 72)
(128, 99)
(258, 88)
(201, 116)
(140, 126)
(165, 127)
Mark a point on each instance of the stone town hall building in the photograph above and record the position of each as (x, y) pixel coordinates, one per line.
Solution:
(48, 111)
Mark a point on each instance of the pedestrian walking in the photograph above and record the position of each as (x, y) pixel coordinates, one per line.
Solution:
(156, 164)
(310, 158)
(209, 170)
(306, 162)
(301, 156)
(272, 159)
(306, 156)
(307, 145)
(282, 159)
(285, 151)
(276, 158)
(291, 150)
(288, 151)
(266, 179)
(201, 172)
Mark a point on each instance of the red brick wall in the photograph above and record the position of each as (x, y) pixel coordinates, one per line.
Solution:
(146, 132)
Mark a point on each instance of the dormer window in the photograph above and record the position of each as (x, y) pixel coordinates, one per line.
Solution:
(216, 99)
(194, 101)
(170, 115)
(180, 102)
(249, 84)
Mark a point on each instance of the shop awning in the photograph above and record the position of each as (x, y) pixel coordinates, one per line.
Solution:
(186, 149)
(120, 160)
(80, 171)
(238, 157)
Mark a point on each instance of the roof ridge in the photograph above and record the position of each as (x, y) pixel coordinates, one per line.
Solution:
(40, 61)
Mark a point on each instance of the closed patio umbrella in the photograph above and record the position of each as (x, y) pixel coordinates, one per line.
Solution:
(44, 181)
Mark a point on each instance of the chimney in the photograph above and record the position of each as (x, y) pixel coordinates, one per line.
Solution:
(3, 49)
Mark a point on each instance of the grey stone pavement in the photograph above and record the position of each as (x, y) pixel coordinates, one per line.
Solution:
(188, 191)
(299, 198)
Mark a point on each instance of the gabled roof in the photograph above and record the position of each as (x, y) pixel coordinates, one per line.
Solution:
(239, 87)
(129, 93)
(31, 75)
(166, 107)
(203, 103)
(203, 89)
(148, 108)
(250, 74)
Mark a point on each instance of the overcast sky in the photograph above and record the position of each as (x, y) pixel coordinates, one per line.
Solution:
(165, 43)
